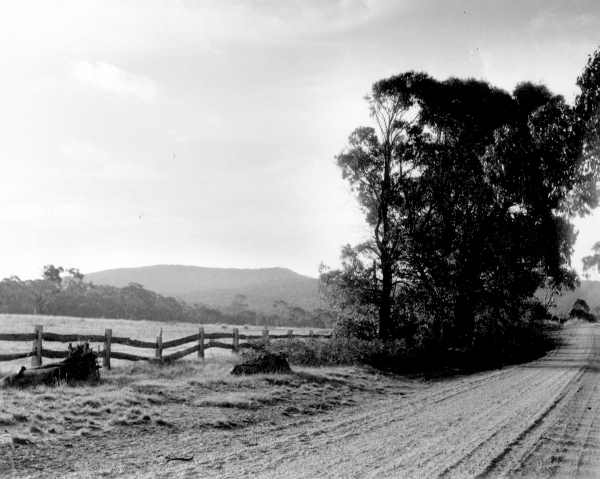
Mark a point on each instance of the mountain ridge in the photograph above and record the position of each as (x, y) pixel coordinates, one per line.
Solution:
(217, 287)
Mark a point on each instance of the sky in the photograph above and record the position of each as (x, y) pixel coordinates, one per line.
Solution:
(205, 133)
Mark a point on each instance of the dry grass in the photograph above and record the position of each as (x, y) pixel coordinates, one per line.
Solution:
(141, 399)
(179, 396)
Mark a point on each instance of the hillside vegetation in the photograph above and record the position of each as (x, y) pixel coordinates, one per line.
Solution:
(74, 295)
(589, 291)
(218, 287)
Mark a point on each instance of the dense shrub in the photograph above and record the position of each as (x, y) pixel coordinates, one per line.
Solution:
(340, 351)
(361, 327)
(314, 352)
(499, 339)
(581, 310)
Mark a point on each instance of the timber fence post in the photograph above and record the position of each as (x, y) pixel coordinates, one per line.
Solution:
(266, 336)
(201, 343)
(310, 334)
(236, 340)
(159, 348)
(36, 359)
(290, 335)
(107, 341)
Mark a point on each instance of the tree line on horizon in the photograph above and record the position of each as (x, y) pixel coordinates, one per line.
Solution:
(64, 292)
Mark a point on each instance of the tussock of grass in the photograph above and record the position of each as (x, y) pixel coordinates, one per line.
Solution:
(7, 420)
(20, 440)
(231, 400)
(162, 422)
(229, 424)
(229, 404)
(88, 412)
(92, 403)
(290, 410)
(132, 417)
(20, 417)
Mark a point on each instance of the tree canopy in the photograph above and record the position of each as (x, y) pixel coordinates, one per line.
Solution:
(469, 191)
(592, 261)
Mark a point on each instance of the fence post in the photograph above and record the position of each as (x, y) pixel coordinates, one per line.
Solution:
(107, 341)
(310, 334)
(236, 340)
(201, 343)
(159, 348)
(290, 335)
(36, 359)
(266, 335)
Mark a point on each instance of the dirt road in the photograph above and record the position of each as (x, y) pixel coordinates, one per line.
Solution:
(534, 420)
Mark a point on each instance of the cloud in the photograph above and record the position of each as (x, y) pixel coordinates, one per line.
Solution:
(115, 80)
(556, 20)
(87, 160)
(28, 212)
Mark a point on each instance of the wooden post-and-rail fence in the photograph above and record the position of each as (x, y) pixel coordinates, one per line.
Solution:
(201, 340)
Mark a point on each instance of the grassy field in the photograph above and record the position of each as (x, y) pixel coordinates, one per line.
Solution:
(136, 394)
(185, 395)
(148, 405)
(143, 330)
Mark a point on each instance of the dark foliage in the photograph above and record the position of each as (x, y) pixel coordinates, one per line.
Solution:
(512, 342)
(592, 261)
(581, 310)
(469, 191)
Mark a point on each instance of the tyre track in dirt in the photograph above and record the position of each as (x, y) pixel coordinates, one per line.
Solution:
(570, 445)
(491, 425)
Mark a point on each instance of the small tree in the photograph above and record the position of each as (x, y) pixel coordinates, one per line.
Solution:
(382, 169)
(52, 273)
(76, 274)
(581, 310)
(593, 260)
(238, 305)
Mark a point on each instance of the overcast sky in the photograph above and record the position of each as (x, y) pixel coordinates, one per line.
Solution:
(204, 133)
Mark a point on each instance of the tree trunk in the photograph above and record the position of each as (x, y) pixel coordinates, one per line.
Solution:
(464, 319)
(385, 306)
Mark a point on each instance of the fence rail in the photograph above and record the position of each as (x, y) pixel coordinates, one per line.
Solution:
(13, 356)
(203, 341)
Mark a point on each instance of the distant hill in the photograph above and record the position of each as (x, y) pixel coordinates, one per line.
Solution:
(217, 287)
(589, 291)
